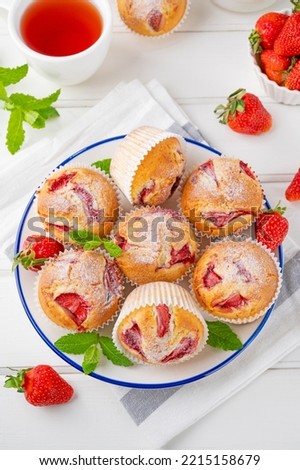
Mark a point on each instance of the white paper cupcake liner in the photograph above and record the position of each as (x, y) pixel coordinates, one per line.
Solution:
(156, 293)
(164, 35)
(153, 209)
(237, 232)
(60, 329)
(240, 321)
(132, 150)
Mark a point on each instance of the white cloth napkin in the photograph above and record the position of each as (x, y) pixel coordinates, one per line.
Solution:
(168, 410)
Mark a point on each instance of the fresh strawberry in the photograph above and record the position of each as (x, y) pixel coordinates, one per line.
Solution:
(42, 386)
(36, 250)
(267, 29)
(288, 40)
(275, 66)
(293, 80)
(272, 227)
(292, 192)
(244, 113)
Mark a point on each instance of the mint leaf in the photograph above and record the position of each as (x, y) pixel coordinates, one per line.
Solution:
(15, 134)
(91, 359)
(29, 102)
(33, 117)
(83, 236)
(92, 245)
(103, 165)
(10, 76)
(112, 353)
(222, 336)
(3, 94)
(76, 343)
(114, 250)
(49, 112)
(89, 241)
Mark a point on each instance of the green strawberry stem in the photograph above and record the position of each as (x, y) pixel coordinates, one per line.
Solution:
(296, 4)
(255, 40)
(234, 104)
(277, 208)
(27, 259)
(16, 381)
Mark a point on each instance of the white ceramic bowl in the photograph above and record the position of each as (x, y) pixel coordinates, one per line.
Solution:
(271, 89)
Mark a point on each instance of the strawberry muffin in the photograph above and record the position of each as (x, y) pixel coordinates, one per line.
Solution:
(236, 281)
(77, 199)
(221, 197)
(152, 17)
(80, 290)
(160, 324)
(158, 245)
(148, 165)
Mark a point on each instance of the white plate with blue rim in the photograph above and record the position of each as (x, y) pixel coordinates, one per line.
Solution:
(209, 361)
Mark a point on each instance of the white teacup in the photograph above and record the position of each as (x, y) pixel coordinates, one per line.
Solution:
(67, 69)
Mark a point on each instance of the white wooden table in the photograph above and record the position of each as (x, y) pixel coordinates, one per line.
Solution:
(200, 65)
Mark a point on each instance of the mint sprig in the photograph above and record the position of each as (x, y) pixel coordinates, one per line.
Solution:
(23, 108)
(221, 336)
(91, 345)
(103, 165)
(89, 241)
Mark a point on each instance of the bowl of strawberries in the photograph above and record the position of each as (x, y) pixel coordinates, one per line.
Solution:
(275, 53)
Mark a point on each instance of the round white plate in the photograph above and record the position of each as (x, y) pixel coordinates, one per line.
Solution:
(209, 361)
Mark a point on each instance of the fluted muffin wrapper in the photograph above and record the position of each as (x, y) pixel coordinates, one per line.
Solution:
(206, 234)
(261, 313)
(156, 293)
(60, 329)
(167, 33)
(153, 208)
(132, 150)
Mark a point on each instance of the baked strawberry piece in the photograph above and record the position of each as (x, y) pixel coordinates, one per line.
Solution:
(236, 281)
(158, 245)
(222, 196)
(36, 250)
(80, 290)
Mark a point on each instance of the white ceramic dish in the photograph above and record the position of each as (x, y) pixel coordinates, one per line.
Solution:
(271, 89)
(209, 361)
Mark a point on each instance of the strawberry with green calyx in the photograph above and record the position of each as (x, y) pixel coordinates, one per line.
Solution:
(37, 249)
(275, 66)
(41, 385)
(293, 79)
(244, 113)
(272, 227)
(266, 31)
(292, 192)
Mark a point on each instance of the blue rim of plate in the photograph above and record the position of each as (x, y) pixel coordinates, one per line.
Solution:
(95, 374)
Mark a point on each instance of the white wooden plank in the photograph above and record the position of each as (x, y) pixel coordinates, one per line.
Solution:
(96, 420)
(261, 416)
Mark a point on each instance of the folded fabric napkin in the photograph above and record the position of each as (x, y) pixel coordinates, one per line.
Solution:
(169, 410)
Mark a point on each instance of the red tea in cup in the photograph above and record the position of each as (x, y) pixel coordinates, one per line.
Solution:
(61, 27)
